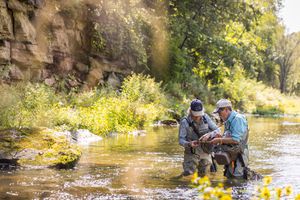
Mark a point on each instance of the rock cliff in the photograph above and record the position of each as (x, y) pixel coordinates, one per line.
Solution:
(53, 42)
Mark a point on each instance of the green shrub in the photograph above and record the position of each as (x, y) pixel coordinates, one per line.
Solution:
(26, 105)
(142, 88)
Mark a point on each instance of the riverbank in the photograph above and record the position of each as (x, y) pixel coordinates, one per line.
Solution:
(139, 102)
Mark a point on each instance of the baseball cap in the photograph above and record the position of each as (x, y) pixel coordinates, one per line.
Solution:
(197, 108)
(222, 103)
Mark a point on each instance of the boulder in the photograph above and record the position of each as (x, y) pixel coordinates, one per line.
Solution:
(39, 147)
(24, 30)
(6, 29)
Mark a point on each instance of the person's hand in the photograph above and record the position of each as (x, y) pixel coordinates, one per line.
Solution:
(218, 135)
(216, 141)
(205, 137)
(194, 143)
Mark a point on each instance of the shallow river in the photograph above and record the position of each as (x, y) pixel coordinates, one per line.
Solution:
(145, 166)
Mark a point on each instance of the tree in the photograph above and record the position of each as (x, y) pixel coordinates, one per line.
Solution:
(287, 50)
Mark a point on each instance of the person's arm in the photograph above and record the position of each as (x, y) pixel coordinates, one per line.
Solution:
(238, 129)
(183, 133)
(226, 140)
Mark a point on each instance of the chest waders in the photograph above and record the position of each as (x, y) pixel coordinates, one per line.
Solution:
(207, 148)
(229, 154)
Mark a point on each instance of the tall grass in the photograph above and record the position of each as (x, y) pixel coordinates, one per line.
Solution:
(141, 101)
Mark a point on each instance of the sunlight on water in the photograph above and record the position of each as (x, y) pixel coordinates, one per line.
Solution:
(145, 166)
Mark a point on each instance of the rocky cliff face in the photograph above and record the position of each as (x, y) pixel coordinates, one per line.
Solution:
(49, 41)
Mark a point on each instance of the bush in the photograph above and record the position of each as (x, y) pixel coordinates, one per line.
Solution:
(142, 88)
(26, 105)
(100, 111)
(141, 102)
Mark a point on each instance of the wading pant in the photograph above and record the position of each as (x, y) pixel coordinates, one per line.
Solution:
(198, 161)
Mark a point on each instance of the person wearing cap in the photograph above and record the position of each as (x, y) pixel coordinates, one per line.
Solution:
(235, 133)
(196, 124)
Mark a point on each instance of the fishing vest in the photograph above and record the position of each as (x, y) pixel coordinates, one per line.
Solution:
(201, 129)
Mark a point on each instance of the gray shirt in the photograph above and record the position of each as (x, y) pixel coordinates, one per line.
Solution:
(184, 129)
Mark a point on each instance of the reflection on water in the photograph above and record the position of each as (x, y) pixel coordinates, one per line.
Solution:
(146, 166)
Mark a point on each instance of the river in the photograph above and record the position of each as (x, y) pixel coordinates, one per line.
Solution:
(145, 166)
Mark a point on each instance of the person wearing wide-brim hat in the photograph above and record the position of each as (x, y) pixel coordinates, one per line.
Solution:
(235, 133)
(192, 127)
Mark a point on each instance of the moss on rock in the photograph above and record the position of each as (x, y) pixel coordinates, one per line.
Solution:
(39, 147)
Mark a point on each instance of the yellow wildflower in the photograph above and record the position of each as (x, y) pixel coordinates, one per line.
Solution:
(288, 190)
(297, 197)
(267, 180)
(204, 181)
(278, 192)
(206, 196)
(195, 177)
(226, 197)
(265, 193)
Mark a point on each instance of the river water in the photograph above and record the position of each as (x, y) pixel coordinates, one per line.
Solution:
(145, 166)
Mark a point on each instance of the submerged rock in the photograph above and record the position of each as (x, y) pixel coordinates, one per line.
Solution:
(37, 148)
